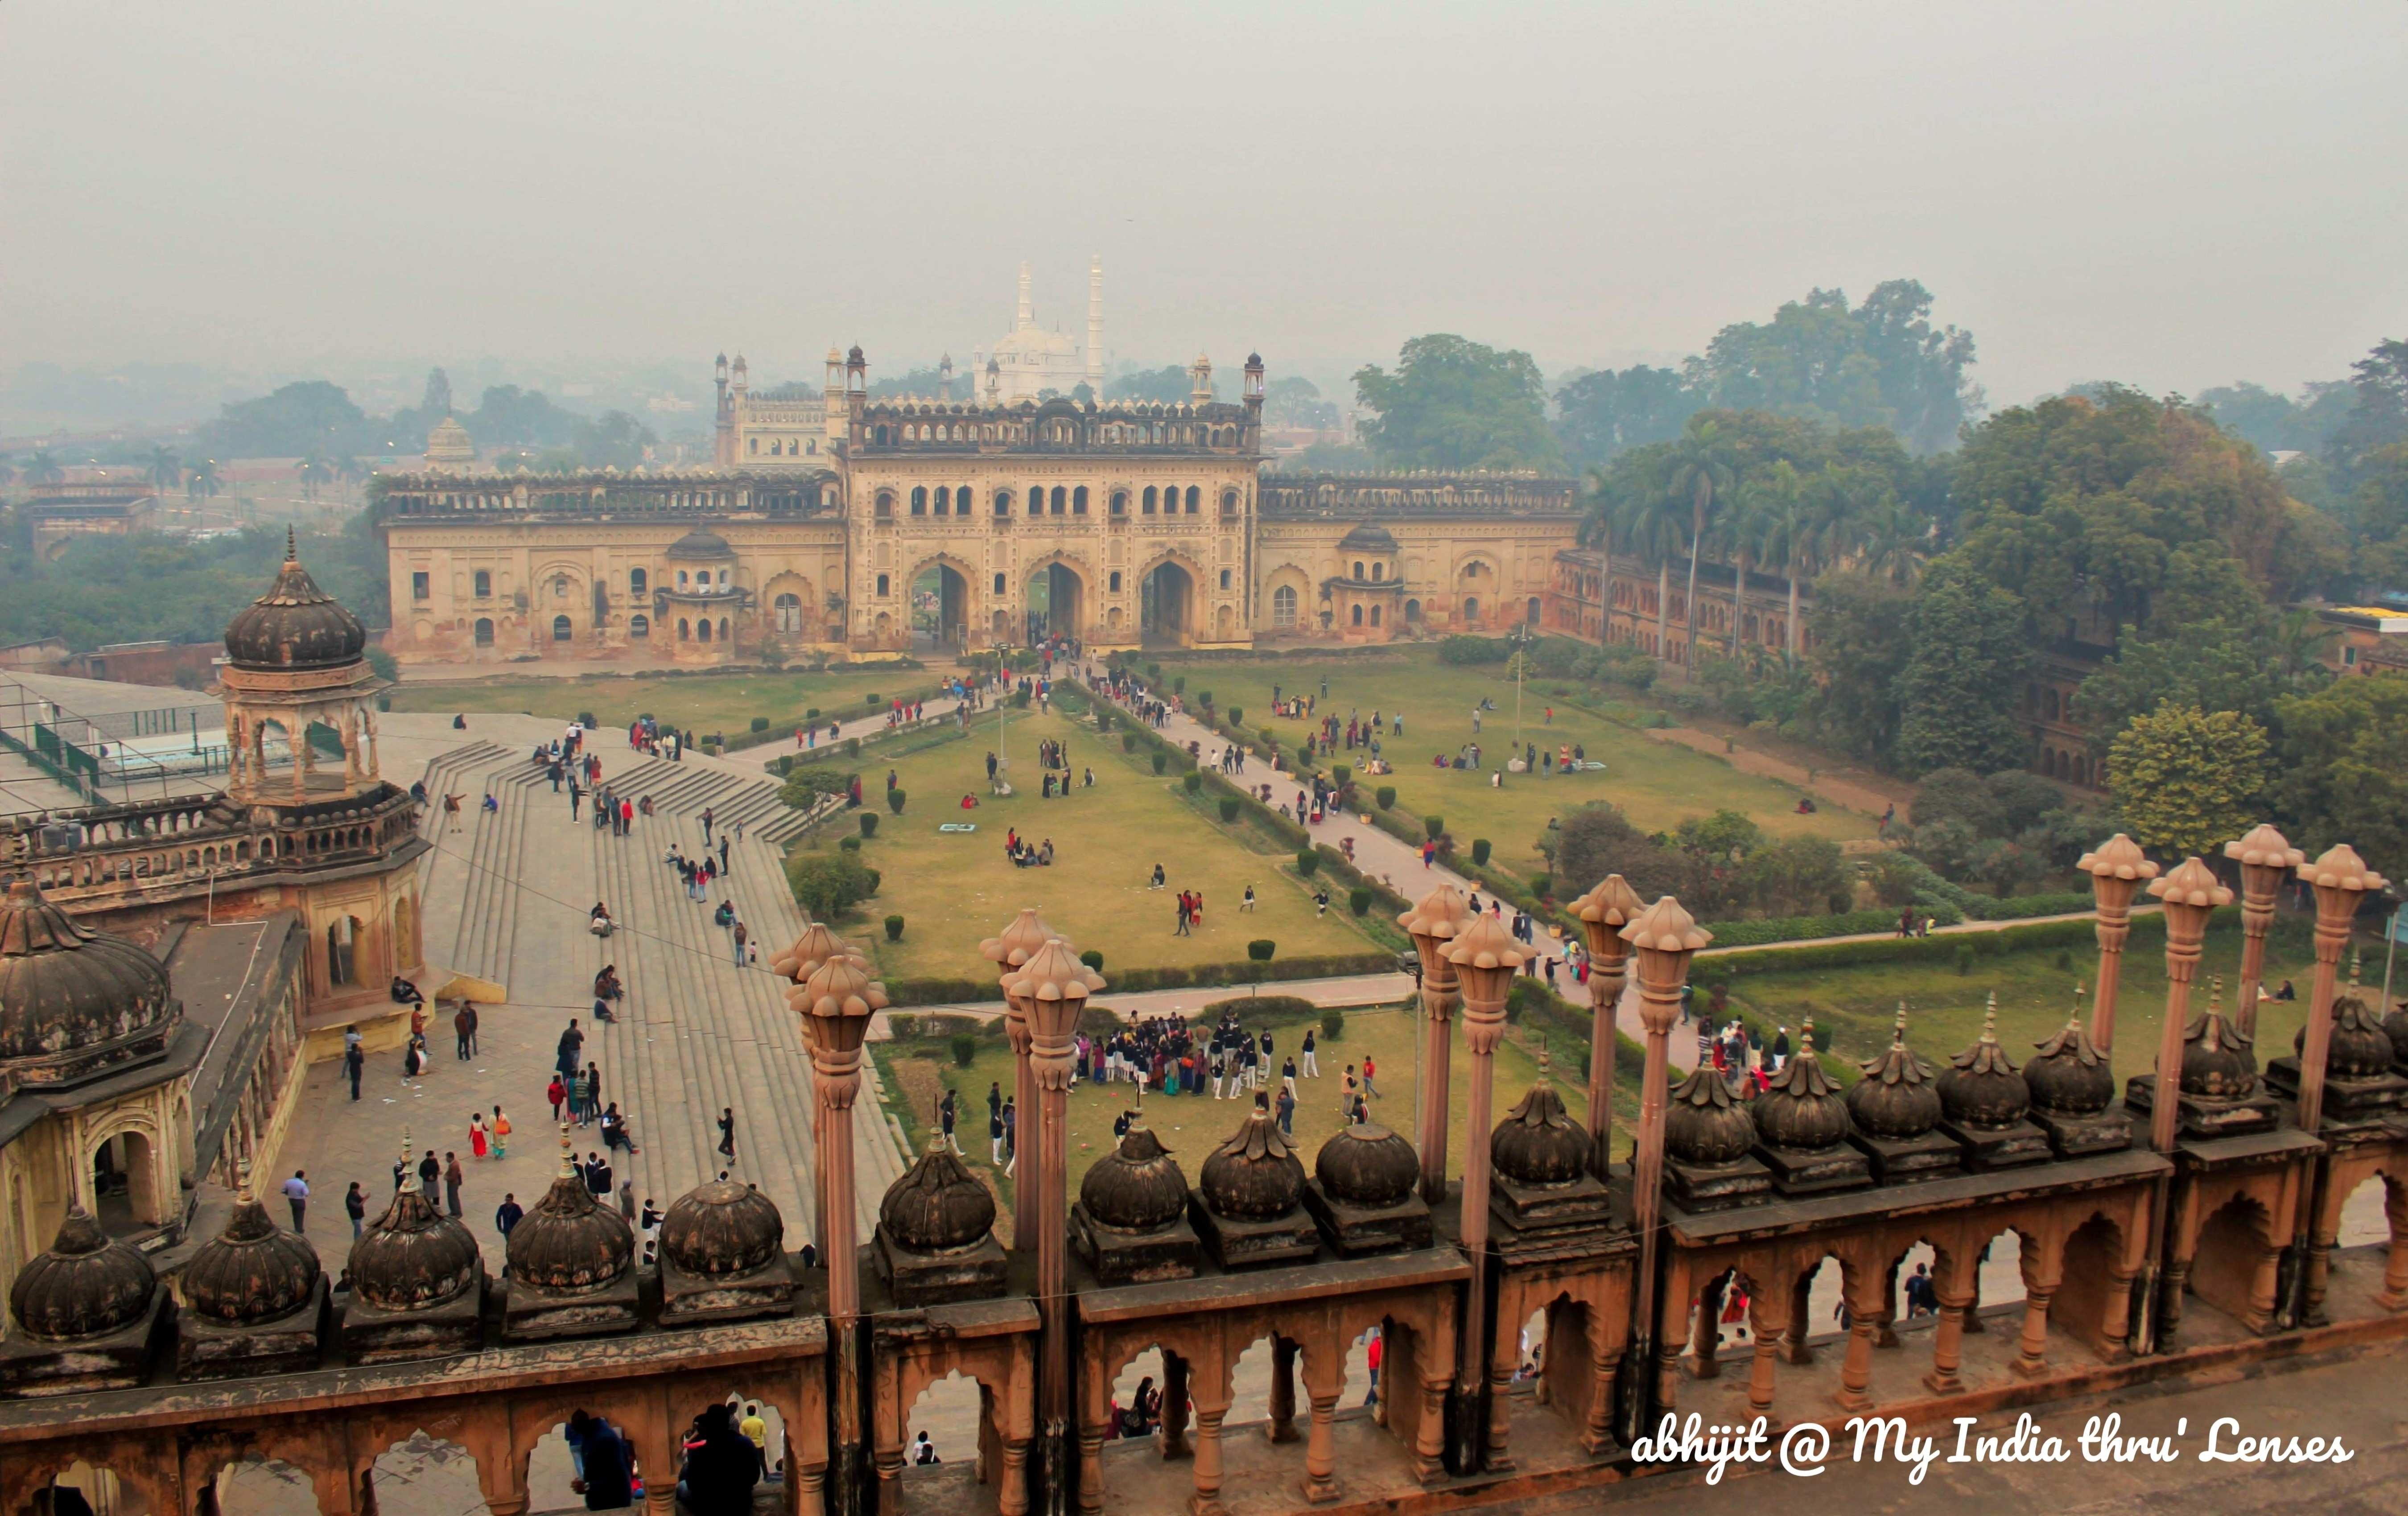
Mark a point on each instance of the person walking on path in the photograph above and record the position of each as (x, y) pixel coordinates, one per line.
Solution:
(1287, 1078)
(558, 1095)
(568, 1053)
(297, 1194)
(507, 1215)
(1287, 1109)
(452, 1180)
(591, 1088)
(355, 1063)
(1312, 1069)
(460, 1028)
(1370, 1068)
(468, 1010)
(355, 1206)
(1010, 1118)
(947, 1114)
(742, 936)
(477, 1135)
(727, 1131)
(994, 1136)
(501, 1130)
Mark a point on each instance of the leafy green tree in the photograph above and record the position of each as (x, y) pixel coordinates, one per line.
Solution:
(41, 469)
(1958, 794)
(1455, 404)
(202, 481)
(1170, 385)
(2187, 781)
(2378, 416)
(1964, 676)
(2343, 775)
(1860, 651)
(830, 883)
(161, 468)
(1704, 471)
(1599, 839)
(303, 417)
(1881, 363)
(1603, 414)
(1293, 400)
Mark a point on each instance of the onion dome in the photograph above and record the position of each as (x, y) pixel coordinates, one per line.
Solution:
(254, 1271)
(936, 1206)
(1981, 1087)
(1365, 1164)
(2360, 1047)
(1537, 1142)
(1136, 1187)
(699, 546)
(567, 1240)
(413, 1255)
(295, 624)
(2395, 1026)
(1705, 1124)
(722, 1227)
(85, 1284)
(1801, 1107)
(73, 1001)
(1367, 538)
(2217, 1063)
(1254, 1176)
(1896, 1098)
(2070, 1076)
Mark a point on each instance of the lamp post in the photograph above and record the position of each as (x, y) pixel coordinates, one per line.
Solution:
(1603, 912)
(2267, 860)
(1002, 687)
(1052, 990)
(1432, 924)
(2117, 869)
(836, 1003)
(2191, 894)
(2341, 880)
(1486, 957)
(1664, 939)
(1009, 951)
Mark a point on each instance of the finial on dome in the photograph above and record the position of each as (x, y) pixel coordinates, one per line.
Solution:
(292, 544)
(1990, 1019)
(568, 1153)
(408, 1170)
(1897, 1033)
(2216, 994)
(1543, 1058)
(242, 1195)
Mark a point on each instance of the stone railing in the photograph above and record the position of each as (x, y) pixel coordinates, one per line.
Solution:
(190, 841)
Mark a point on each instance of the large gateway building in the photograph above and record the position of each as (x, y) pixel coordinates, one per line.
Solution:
(836, 525)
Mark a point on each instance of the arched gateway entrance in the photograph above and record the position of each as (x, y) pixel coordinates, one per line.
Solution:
(939, 608)
(1057, 603)
(1166, 603)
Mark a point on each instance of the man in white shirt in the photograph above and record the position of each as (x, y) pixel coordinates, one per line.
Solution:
(297, 1194)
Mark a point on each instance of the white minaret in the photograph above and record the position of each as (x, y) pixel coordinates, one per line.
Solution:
(1095, 325)
(1028, 317)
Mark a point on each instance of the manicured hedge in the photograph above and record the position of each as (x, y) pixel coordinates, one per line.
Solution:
(940, 991)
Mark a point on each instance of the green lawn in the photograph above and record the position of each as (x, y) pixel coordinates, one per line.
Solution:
(1192, 1127)
(1657, 784)
(701, 703)
(1854, 1009)
(955, 889)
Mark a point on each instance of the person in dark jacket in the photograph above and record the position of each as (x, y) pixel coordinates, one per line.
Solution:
(603, 1478)
(721, 1466)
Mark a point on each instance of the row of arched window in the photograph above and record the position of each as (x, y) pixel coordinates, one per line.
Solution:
(1056, 500)
(780, 448)
(1054, 433)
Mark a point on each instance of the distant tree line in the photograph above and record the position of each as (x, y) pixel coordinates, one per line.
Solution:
(318, 419)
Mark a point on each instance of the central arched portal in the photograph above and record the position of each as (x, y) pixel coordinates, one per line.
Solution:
(939, 608)
(1057, 603)
(1167, 604)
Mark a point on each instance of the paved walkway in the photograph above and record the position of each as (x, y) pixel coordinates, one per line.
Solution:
(508, 895)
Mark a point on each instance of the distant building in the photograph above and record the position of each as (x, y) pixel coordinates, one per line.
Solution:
(2371, 639)
(1030, 360)
(105, 508)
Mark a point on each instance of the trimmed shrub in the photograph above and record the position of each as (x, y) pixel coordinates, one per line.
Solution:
(848, 844)
(1161, 762)
(1128, 742)
(1191, 782)
(1236, 715)
(1387, 795)
(805, 785)
(1257, 1008)
(1964, 959)
(812, 714)
(894, 928)
(1229, 807)
(872, 701)
(1179, 685)
(760, 723)
(1342, 775)
(1480, 850)
(870, 823)
(1261, 949)
(586, 719)
(1306, 861)
(1358, 900)
(829, 885)
(894, 801)
(965, 1047)
(852, 746)
(1333, 1025)
(1204, 698)
(1542, 885)
(1094, 959)
(1435, 826)
(1103, 718)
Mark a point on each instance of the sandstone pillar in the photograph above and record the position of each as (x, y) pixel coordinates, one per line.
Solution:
(1010, 951)
(2267, 859)
(1432, 925)
(1664, 939)
(1603, 912)
(2341, 880)
(1486, 959)
(799, 963)
(2191, 894)
(2117, 869)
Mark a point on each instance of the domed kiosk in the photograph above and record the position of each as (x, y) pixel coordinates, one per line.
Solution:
(934, 1242)
(1710, 1162)
(418, 1281)
(2073, 1093)
(75, 1005)
(1248, 1204)
(255, 1299)
(572, 1263)
(1539, 1158)
(88, 1310)
(2360, 1088)
(1802, 1128)
(1897, 1109)
(1986, 1099)
(724, 1257)
(1365, 1191)
(2221, 1094)
(297, 660)
(1129, 1223)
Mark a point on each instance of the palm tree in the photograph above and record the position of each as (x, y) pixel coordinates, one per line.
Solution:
(203, 483)
(1654, 528)
(2300, 638)
(41, 469)
(1702, 473)
(1893, 540)
(1611, 510)
(1787, 529)
(1764, 505)
(164, 470)
(314, 470)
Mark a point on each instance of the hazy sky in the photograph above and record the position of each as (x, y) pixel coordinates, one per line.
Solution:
(2170, 193)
